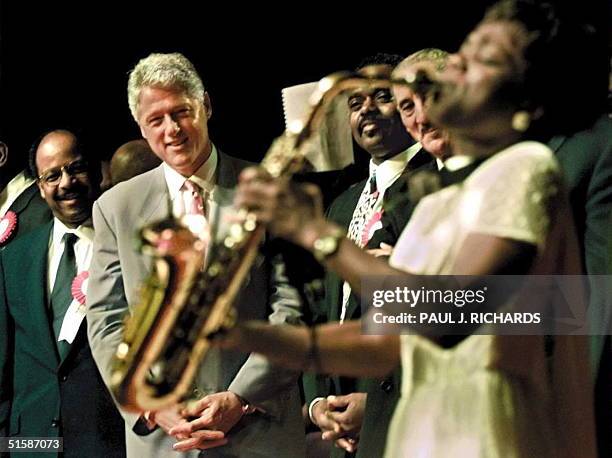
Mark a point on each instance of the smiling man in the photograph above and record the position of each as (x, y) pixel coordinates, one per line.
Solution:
(245, 404)
(51, 386)
(377, 128)
(413, 107)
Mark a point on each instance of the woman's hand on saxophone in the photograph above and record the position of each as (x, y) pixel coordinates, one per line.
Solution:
(286, 208)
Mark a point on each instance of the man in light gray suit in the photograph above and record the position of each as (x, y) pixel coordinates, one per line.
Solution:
(247, 408)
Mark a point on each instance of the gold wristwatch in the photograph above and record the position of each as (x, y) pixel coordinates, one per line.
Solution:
(326, 245)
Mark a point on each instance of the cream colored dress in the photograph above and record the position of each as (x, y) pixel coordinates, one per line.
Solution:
(493, 396)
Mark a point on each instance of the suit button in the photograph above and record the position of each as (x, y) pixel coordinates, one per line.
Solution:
(63, 378)
(386, 386)
(55, 423)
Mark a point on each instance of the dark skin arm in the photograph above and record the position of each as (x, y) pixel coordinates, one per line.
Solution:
(343, 349)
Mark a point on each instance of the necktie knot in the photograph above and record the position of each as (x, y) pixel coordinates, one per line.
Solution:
(373, 187)
(69, 239)
(191, 186)
(195, 205)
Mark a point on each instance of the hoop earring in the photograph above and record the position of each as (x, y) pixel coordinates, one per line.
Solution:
(521, 121)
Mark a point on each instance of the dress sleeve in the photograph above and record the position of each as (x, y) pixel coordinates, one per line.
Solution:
(514, 195)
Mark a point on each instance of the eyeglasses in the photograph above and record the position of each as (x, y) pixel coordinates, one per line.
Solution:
(77, 169)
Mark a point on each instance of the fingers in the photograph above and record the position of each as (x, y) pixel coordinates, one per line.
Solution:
(337, 402)
(347, 443)
(195, 409)
(384, 250)
(187, 428)
(263, 199)
(167, 418)
(314, 193)
(202, 440)
(326, 424)
(339, 417)
(333, 435)
(252, 174)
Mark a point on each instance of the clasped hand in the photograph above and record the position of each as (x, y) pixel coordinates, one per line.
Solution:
(201, 424)
(340, 419)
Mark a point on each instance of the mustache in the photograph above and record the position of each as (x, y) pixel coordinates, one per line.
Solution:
(370, 118)
(76, 192)
(427, 127)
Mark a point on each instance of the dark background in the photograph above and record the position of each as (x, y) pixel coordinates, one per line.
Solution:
(66, 65)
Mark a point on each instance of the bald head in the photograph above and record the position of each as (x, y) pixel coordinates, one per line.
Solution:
(64, 177)
(51, 144)
(131, 159)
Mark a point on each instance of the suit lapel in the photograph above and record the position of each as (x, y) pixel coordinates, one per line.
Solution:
(556, 142)
(157, 198)
(420, 159)
(34, 279)
(79, 340)
(227, 175)
(24, 199)
(341, 212)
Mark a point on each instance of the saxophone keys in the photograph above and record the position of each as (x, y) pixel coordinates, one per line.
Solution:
(236, 231)
(250, 223)
(230, 319)
(122, 350)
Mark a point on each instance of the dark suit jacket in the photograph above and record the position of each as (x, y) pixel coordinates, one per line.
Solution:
(382, 395)
(42, 395)
(32, 211)
(586, 160)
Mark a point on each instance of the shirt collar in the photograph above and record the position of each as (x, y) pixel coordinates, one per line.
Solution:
(454, 163)
(203, 177)
(388, 171)
(84, 231)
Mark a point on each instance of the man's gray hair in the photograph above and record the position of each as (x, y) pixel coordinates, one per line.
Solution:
(163, 70)
(432, 56)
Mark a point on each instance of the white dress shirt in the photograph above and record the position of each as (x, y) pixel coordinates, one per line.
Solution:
(386, 173)
(204, 177)
(83, 249)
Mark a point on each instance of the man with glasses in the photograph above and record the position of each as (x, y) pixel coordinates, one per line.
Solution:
(50, 385)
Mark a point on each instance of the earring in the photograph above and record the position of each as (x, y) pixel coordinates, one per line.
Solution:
(521, 121)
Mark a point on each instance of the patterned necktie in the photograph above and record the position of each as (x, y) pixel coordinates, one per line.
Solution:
(196, 206)
(61, 296)
(362, 214)
(195, 215)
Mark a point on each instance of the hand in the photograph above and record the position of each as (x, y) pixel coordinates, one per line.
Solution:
(320, 418)
(384, 250)
(348, 444)
(282, 206)
(216, 415)
(201, 440)
(167, 418)
(348, 412)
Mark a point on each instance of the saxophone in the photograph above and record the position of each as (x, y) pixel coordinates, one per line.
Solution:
(181, 306)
